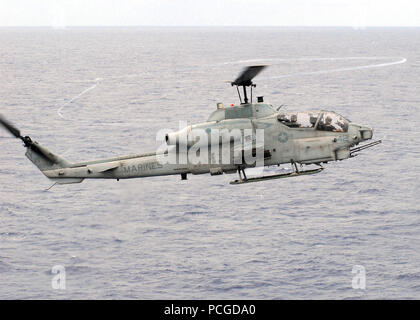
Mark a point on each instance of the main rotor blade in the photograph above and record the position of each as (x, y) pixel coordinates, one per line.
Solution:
(10, 127)
(247, 75)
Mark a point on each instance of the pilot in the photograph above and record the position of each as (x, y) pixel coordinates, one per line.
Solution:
(312, 120)
(342, 125)
(327, 126)
(293, 122)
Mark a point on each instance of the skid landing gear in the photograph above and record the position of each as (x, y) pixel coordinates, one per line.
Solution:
(239, 174)
(294, 173)
(294, 166)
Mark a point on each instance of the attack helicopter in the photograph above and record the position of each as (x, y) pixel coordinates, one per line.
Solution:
(301, 137)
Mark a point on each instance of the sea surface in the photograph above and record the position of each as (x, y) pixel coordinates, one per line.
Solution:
(91, 93)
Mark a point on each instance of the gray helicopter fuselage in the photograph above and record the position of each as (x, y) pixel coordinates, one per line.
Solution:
(299, 137)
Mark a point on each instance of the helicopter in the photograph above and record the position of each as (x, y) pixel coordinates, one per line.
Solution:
(246, 135)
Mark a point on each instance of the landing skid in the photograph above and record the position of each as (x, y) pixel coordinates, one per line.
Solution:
(277, 176)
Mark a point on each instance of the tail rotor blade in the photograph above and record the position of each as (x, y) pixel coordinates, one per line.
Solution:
(10, 127)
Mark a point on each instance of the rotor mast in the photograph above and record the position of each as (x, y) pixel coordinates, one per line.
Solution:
(245, 80)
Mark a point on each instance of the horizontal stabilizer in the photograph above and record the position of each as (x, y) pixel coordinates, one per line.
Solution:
(103, 167)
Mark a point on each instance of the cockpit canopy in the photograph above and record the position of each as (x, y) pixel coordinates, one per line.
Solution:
(321, 120)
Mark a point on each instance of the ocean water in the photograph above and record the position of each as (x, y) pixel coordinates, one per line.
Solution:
(90, 93)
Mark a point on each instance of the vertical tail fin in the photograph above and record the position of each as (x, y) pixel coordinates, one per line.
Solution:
(43, 158)
(40, 156)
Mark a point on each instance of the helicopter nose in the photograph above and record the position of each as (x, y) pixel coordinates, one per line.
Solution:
(361, 133)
